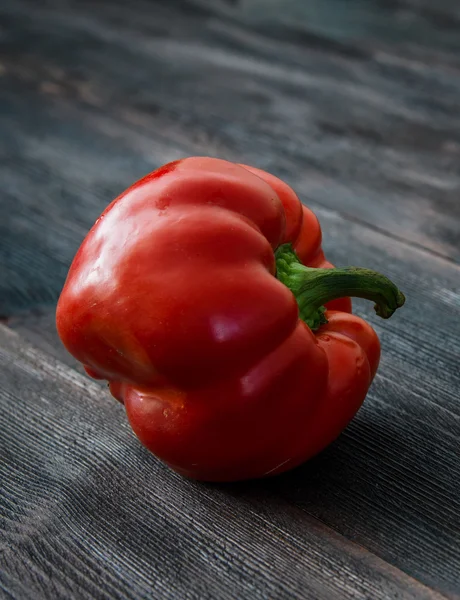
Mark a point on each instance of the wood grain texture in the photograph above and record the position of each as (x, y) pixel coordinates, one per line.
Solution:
(358, 109)
(114, 523)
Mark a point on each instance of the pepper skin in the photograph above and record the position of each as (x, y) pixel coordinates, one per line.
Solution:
(190, 296)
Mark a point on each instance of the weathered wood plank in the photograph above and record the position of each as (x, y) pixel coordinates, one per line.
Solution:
(38, 328)
(87, 513)
(373, 134)
(409, 26)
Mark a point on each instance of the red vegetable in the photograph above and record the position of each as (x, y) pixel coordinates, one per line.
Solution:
(190, 297)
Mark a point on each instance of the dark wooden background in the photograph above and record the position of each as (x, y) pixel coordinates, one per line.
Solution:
(357, 105)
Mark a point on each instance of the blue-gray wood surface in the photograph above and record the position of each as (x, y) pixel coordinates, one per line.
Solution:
(357, 105)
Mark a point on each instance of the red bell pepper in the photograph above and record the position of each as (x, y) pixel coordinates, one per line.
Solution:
(190, 295)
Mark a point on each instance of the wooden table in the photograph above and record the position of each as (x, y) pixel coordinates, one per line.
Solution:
(357, 105)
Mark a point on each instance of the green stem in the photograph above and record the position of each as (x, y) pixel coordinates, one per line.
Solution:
(312, 288)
